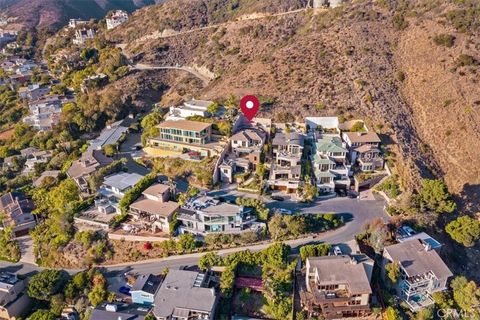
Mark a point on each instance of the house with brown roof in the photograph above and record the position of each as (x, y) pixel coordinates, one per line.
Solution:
(184, 137)
(154, 209)
(17, 211)
(337, 286)
(422, 271)
(364, 149)
(89, 162)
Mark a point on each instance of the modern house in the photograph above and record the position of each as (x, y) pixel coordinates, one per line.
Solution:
(117, 311)
(73, 23)
(337, 286)
(364, 149)
(111, 134)
(183, 136)
(82, 35)
(113, 189)
(35, 158)
(45, 112)
(185, 295)
(83, 168)
(154, 209)
(14, 301)
(189, 109)
(245, 153)
(144, 289)
(33, 91)
(285, 172)
(204, 214)
(330, 163)
(116, 18)
(422, 272)
(17, 212)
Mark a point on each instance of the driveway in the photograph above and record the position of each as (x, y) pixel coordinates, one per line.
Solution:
(26, 248)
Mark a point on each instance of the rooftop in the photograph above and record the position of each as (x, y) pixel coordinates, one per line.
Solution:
(209, 205)
(164, 209)
(90, 161)
(156, 190)
(363, 137)
(288, 138)
(115, 311)
(122, 180)
(182, 291)
(417, 259)
(343, 269)
(248, 134)
(185, 125)
(147, 283)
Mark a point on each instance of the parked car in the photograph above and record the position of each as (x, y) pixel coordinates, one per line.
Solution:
(352, 194)
(284, 211)
(277, 198)
(124, 290)
(341, 193)
(337, 251)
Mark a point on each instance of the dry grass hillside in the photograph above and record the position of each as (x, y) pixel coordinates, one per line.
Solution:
(373, 59)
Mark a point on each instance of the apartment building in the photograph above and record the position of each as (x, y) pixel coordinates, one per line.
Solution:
(185, 295)
(203, 215)
(17, 210)
(330, 163)
(116, 18)
(286, 170)
(83, 168)
(337, 286)
(154, 208)
(364, 149)
(183, 136)
(422, 270)
(14, 301)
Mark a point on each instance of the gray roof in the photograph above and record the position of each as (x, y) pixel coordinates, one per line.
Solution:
(110, 135)
(147, 283)
(283, 139)
(343, 270)
(122, 180)
(124, 312)
(181, 292)
(90, 161)
(211, 206)
(416, 260)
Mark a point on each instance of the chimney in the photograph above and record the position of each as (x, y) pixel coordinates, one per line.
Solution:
(428, 246)
(353, 260)
(359, 134)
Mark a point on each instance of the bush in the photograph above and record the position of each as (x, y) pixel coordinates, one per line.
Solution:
(399, 22)
(465, 60)
(314, 250)
(434, 196)
(446, 40)
(393, 271)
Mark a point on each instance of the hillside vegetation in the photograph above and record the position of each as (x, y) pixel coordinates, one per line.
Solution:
(409, 67)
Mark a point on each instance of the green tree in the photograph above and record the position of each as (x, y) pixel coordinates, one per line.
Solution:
(466, 294)
(464, 230)
(393, 314)
(186, 242)
(46, 283)
(434, 196)
(42, 315)
(393, 271)
(314, 250)
(110, 150)
(213, 108)
(209, 260)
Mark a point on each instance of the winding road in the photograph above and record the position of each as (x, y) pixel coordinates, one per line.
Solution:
(356, 212)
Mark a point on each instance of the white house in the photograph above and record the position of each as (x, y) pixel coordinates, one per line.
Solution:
(113, 189)
(116, 18)
(189, 109)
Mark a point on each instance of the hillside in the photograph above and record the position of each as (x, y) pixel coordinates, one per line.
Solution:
(376, 61)
(55, 13)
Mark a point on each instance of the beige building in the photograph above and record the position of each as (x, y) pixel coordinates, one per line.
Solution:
(154, 209)
(14, 302)
(337, 286)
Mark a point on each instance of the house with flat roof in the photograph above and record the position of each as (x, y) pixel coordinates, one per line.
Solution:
(113, 189)
(153, 209)
(45, 112)
(189, 108)
(330, 163)
(285, 172)
(144, 289)
(116, 18)
(111, 134)
(203, 215)
(17, 211)
(82, 35)
(185, 295)
(364, 149)
(14, 301)
(83, 168)
(117, 311)
(184, 136)
(422, 271)
(337, 286)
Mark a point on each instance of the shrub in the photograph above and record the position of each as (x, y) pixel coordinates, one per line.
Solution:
(464, 60)
(393, 271)
(446, 40)
(464, 230)
(314, 250)
(399, 22)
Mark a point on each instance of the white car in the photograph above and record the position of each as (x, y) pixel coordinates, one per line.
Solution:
(337, 251)
(284, 211)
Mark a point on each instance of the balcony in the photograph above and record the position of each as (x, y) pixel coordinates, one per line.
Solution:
(419, 301)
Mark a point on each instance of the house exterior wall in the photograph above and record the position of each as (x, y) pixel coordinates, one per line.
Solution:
(142, 297)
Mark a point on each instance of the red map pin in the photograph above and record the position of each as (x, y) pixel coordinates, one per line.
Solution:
(249, 106)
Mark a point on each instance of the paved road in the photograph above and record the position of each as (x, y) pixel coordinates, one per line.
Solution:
(192, 71)
(356, 212)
